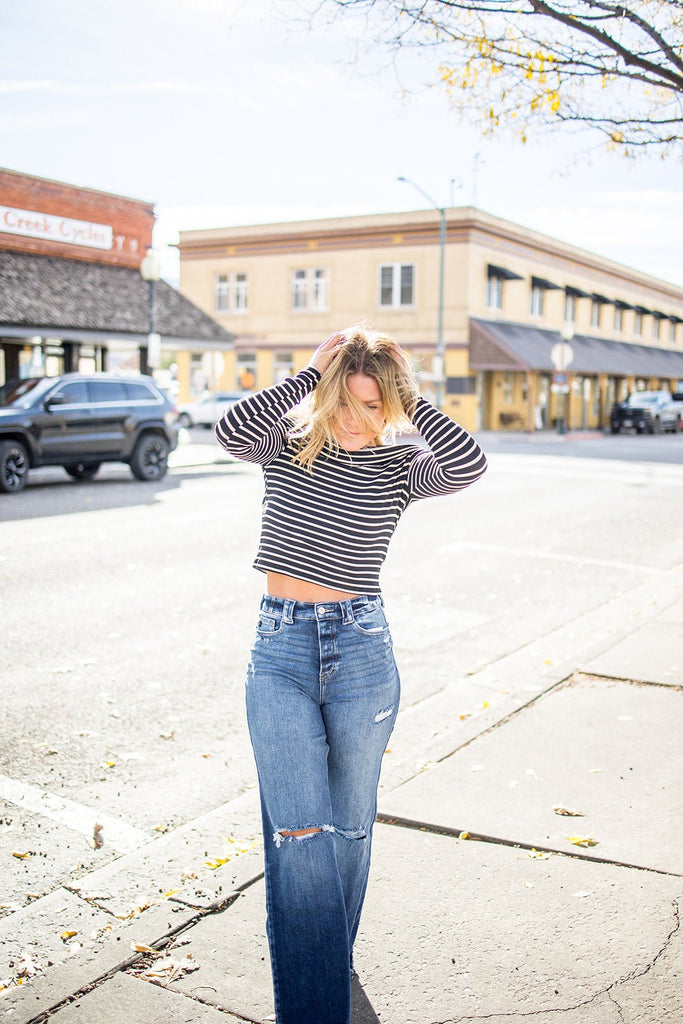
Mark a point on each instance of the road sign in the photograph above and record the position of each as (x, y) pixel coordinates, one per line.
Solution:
(561, 355)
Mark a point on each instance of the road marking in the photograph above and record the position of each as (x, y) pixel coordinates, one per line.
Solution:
(118, 834)
(552, 556)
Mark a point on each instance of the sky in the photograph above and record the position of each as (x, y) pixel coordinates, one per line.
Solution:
(231, 112)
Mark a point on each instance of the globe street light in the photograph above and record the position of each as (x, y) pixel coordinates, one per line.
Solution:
(150, 271)
(439, 379)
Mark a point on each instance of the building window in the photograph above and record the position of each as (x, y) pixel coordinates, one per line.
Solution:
(221, 290)
(246, 371)
(655, 328)
(397, 285)
(240, 293)
(618, 318)
(672, 332)
(310, 289)
(569, 308)
(596, 308)
(283, 366)
(536, 304)
(508, 388)
(231, 293)
(638, 324)
(494, 291)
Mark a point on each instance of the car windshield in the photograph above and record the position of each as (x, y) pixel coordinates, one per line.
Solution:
(20, 394)
(641, 399)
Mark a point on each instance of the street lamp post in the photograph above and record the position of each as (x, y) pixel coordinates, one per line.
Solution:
(150, 271)
(439, 379)
(562, 355)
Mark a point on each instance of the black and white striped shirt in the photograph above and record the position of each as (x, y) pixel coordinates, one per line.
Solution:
(333, 526)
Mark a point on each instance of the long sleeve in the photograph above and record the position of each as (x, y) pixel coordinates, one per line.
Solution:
(454, 459)
(253, 428)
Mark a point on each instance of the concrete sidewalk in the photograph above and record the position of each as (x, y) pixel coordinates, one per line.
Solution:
(528, 868)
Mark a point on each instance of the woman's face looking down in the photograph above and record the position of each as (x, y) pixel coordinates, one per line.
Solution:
(350, 433)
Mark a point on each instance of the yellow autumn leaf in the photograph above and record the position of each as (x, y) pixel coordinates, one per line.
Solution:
(582, 840)
(140, 947)
(65, 936)
(20, 856)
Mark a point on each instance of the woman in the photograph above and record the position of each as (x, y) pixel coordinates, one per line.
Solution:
(322, 683)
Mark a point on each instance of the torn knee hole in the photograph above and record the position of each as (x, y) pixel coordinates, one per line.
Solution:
(300, 832)
(297, 834)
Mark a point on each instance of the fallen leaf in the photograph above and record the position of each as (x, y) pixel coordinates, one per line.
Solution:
(485, 704)
(167, 735)
(65, 936)
(22, 856)
(538, 855)
(582, 840)
(528, 885)
(465, 715)
(140, 947)
(464, 835)
(97, 837)
(107, 764)
(567, 813)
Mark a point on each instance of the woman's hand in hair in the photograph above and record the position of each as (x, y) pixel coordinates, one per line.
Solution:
(325, 353)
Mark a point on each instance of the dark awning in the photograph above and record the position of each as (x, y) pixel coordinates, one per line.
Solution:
(500, 345)
(597, 297)
(643, 310)
(93, 302)
(620, 304)
(541, 282)
(509, 275)
(570, 290)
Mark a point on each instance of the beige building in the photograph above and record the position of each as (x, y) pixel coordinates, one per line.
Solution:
(509, 295)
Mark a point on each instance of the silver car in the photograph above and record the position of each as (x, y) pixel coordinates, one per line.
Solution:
(204, 411)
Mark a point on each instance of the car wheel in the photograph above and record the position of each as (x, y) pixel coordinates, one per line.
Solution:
(614, 428)
(82, 470)
(184, 420)
(149, 460)
(13, 467)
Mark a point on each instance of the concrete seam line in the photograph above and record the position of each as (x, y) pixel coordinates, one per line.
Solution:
(160, 943)
(676, 687)
(468, 836)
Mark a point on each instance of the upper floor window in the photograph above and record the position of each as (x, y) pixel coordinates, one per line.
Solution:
(494, 291)
(655, 328)
(569, 307)
(596, 309)
(231, 293)
(536, 303)
(672, 331)
(397, 285)
(310, 289)
(638, 324)
(618, 318)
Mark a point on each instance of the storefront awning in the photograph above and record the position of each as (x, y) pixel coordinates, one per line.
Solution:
(93, 302)
(500, 345)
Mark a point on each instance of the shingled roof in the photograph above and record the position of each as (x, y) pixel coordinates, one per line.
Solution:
(61, 295)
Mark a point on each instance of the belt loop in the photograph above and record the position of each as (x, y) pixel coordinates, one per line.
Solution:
(347, 611)
(288, 610)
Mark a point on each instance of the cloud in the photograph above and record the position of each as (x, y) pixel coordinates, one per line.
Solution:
(31, 85)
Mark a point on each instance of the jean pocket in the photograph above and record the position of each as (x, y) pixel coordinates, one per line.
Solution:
(371, 621)
(268, 624)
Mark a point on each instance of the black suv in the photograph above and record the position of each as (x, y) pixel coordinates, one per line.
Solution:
(653, 411)
(79, 422)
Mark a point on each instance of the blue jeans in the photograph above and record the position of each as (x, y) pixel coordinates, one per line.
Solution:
(322, 698)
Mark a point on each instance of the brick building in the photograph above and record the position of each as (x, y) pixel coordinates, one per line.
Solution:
(71, 293)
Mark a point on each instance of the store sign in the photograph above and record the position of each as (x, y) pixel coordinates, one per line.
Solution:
(54, 228)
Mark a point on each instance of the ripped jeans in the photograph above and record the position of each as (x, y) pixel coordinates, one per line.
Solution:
(322, 699)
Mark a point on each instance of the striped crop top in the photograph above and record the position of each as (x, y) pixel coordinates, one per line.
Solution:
(333, 526)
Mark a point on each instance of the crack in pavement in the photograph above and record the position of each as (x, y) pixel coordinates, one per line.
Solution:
(633, 975)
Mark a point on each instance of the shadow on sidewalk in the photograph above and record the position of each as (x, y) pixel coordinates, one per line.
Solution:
(361, 1008)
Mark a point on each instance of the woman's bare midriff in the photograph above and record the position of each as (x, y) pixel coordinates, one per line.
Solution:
(290, 587)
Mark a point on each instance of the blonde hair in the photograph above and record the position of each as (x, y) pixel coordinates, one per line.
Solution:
(373, 355)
